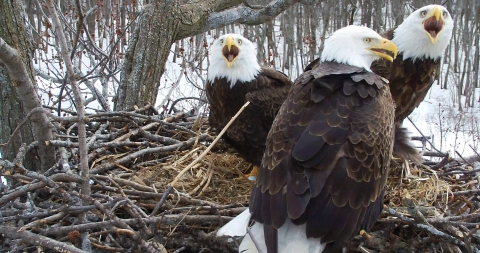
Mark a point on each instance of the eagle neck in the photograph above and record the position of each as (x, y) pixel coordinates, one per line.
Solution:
(243, 71)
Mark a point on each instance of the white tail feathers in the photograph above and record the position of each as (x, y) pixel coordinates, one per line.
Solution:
(237, 226)
(291, 238)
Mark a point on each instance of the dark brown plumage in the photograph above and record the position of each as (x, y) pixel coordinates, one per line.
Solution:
(409, 80)
(248, 133)
(327, 155)
(421, 40)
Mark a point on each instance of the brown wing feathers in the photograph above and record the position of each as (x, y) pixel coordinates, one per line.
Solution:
(409, 80)
(248, 133)
(327, 154)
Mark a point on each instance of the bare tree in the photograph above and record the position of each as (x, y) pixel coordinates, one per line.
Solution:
(19, 95)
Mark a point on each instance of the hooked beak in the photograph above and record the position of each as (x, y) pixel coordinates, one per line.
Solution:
(433, 24)
(230, 51)
(385, 49)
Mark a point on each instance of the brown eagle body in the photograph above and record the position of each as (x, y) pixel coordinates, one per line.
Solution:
(409, 80)
(248, 133)
(327, 156)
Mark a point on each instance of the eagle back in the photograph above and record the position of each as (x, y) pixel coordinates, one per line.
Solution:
(327, 154)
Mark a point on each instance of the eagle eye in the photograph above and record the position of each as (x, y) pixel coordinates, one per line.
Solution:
(221, 41)
(445, 14)
(423, 13)
(239, 42)
(367, 40)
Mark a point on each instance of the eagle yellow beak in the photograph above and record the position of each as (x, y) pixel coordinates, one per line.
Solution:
(230, 51)
(385, 49)
(433, 24)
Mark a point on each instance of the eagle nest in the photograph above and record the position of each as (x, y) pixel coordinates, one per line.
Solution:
(135, 156)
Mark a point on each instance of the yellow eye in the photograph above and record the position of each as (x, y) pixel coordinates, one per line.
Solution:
(423, 13)
(445, 14)
(367, 40)
(221, 41)
(239, 42)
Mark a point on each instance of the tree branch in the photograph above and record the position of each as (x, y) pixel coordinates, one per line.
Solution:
(82, 133)
(40, 240)
(250, 16)
(197, 19)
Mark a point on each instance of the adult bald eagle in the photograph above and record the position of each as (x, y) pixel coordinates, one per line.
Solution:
(421, 40)
(235, 77)
(326, 162)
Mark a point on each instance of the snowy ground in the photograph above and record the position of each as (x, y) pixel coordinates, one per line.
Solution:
(452, 130)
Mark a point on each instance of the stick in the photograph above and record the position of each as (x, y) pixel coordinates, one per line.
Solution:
(160, 203)
(424, 136)
(39, 240)
(209, 147)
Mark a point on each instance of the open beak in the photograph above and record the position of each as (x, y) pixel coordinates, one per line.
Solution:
(433, 24)
(230, 51)
(385, 49)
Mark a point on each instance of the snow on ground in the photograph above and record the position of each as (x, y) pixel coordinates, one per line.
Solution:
(451, 129)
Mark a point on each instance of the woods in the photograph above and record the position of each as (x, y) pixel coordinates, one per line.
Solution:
(98, 123)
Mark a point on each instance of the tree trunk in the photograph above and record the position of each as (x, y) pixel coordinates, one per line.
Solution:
(146, 55)
(366, 19)
(18, 93)
(378, 24)
(398, 11)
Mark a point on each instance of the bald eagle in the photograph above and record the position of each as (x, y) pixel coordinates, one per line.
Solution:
(421, 39)
(235, 77)
(327, 155)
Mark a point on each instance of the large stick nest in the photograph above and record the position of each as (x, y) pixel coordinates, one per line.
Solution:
(133, 158)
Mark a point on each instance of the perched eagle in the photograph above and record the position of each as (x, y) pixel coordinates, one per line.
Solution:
(327, 155)
(235, 77)
(421, 40)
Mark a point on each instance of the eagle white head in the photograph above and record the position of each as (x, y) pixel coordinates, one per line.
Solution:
(425, 33)
(357, 46)
(233, 57)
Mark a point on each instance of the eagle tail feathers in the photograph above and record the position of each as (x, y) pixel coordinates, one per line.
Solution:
(237, 226)
(403, 147)
(291, 238)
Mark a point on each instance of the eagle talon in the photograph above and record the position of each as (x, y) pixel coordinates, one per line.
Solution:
(252, 176)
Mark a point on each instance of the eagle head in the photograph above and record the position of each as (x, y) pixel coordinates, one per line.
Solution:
(357, 46)
(233, 57)
(425, 33)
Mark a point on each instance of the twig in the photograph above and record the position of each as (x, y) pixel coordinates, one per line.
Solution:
(82, 132)
(211, 145)
(431, 144)
(40, 240)
(160, 203)
(107, 166)
(463, 158)
(425, 227)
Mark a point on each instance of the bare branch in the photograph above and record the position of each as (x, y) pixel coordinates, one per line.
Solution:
(222, 14)
(82, 133)
(251, 16)
(40, 240)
